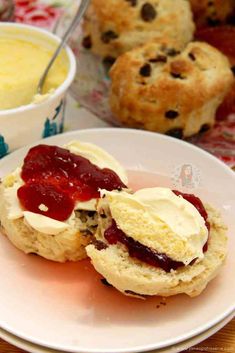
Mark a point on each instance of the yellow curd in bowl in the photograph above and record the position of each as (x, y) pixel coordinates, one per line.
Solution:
(21, 65)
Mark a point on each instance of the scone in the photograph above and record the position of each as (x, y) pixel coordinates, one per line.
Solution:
(112, 27)
(48, 206)
(160, 88)
(157, 242)
(213, 12)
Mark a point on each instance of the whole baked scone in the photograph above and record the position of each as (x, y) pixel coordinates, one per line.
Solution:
(157, 242)
(48, 206)
(160, 88)
(112, 27)
(213, 12)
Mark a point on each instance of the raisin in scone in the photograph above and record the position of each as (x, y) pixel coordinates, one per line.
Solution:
(161, 88)
(213, 12)
(48, 205)
(157, 242)
(112, 27)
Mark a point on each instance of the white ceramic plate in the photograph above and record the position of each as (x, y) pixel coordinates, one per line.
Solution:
(65, 307)
(33, 348)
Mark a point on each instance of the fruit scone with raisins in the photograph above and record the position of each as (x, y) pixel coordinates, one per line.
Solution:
(161, 88)
(48, 205)
(157, 242)
(112, 27)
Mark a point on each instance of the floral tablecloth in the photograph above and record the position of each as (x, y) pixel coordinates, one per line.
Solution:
(40, 13)
(46, 13)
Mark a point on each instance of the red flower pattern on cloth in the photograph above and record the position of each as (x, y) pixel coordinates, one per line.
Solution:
(35, 12)
(220, 140)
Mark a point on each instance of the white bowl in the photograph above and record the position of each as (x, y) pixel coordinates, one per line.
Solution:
(29, 123)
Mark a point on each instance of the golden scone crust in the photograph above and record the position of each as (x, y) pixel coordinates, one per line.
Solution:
(133, 277)
(68, 245)
(112, 27)
(160, 88)
(212, 12)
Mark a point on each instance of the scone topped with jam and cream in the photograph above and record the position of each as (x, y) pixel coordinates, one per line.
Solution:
(157, 242)
(48, 206)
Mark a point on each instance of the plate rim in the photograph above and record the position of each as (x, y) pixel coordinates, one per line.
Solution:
(185, 344)
(125, 131)
(139, 348)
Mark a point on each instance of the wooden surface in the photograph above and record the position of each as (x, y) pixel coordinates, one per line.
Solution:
(222, 342)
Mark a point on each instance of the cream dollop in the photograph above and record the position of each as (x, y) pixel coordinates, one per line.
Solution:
(97, 156)
(101, 159)
(159, 219)
(14, 208)
(45, 224)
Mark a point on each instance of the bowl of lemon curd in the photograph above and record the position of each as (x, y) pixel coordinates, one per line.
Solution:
(26, 116)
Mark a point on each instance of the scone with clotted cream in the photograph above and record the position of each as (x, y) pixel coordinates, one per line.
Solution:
(157, 242)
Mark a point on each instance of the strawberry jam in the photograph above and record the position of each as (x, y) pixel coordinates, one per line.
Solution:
(57, 179)
(32, 195)
(146, 254)
(140, 251)
(197, 203)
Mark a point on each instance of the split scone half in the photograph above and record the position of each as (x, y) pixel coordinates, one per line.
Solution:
(157, 242)
(48, 205)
